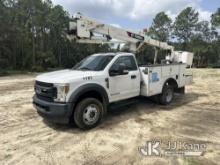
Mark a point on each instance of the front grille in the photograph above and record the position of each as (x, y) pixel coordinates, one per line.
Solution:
(49, 99)
(44, 84)
(45, 91)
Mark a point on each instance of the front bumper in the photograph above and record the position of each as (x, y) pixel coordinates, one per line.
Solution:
(52, 111)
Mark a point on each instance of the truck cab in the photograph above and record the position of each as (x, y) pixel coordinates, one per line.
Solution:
(82, 94)
(99, 79)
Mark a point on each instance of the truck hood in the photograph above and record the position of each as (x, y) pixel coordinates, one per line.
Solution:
(64, 76)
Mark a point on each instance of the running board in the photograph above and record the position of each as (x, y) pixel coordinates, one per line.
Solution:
(123, 103)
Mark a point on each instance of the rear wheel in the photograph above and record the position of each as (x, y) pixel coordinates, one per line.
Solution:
(167, 94)
(88, 113)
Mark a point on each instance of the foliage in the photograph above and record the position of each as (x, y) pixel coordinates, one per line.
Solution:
(32, 37)
(185, 25)
(161, 27)
(215, 18)
(190, 34)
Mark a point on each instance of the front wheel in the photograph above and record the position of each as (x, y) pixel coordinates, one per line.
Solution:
(167, 94)
(88, 113)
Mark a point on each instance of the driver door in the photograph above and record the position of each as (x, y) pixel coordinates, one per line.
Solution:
(123, 86)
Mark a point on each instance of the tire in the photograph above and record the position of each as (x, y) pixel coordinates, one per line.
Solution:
(88, 113)
(167, 95)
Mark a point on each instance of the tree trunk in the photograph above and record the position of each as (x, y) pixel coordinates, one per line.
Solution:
(33, 51)
(155, 55)
(59, 55)
(199, 59)
(14, 56)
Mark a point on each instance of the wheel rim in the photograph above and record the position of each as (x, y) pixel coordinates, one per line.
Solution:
(90, 114)
(169, 95)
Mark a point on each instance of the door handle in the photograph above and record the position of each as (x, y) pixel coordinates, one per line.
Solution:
(133, 76)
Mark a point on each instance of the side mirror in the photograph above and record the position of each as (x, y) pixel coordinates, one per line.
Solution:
(122, 69)
(119, 71)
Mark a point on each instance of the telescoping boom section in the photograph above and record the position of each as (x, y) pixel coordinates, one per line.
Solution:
(86, 30)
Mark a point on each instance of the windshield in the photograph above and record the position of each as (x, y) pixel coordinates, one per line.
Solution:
(95, 63)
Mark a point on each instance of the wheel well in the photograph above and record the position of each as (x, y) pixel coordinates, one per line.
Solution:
(172, 82)
(92, 94)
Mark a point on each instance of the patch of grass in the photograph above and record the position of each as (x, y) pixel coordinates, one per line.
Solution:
(203, 73)
(191, 161)
(12, 72)
(7, 156)
(34, 70)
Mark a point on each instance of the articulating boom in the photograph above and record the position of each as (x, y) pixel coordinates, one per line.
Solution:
(86, 30)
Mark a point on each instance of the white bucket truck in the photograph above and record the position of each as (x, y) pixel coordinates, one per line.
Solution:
(84, 93)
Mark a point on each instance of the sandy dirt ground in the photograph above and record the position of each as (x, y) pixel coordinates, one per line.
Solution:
(25, 138)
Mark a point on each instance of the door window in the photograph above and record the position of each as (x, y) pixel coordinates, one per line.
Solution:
(127, 61)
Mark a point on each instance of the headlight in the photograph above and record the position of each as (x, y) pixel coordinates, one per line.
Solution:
(62, 90)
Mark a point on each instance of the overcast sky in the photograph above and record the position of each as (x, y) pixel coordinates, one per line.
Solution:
(136, 14)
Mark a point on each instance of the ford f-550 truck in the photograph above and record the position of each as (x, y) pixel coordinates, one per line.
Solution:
(83, 93)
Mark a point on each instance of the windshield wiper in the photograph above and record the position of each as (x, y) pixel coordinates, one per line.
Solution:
(85, 68)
